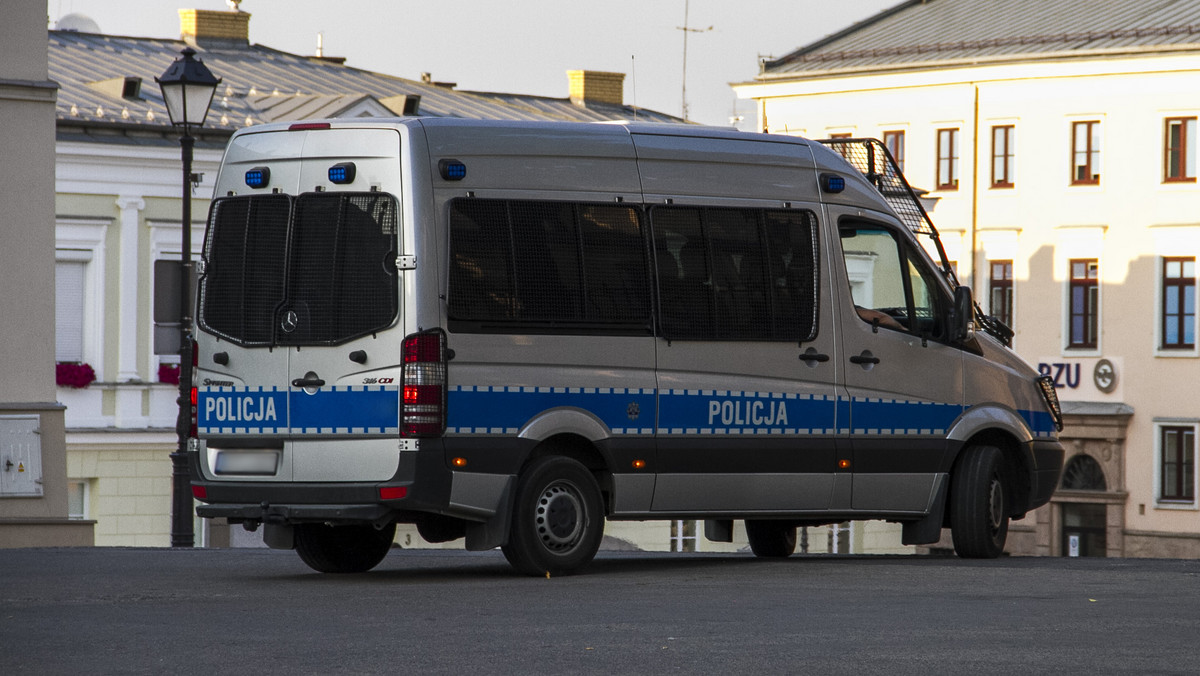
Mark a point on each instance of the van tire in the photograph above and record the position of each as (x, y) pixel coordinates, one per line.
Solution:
(771, 539)
(558, 518)
(343, 549)
(979, 504)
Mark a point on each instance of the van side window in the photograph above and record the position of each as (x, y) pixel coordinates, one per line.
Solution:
(561, 267)
(889, 285)
(736, 274)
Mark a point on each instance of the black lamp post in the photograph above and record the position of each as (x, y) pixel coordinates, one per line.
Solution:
(187, 89)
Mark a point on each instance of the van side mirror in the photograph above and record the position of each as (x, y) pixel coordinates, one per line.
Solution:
(962, 317)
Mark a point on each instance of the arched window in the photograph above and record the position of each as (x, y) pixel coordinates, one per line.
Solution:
(1083, 473)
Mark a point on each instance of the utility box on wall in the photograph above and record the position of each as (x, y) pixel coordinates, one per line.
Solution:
(20, 456)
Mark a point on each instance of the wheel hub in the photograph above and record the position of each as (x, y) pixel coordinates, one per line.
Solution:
(559, 517)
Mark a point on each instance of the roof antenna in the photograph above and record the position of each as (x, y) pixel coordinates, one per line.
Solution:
(686, 29)
(633, 73)
(320, 43)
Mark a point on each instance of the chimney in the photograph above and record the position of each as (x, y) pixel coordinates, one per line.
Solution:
(210, 27)
(594, 86)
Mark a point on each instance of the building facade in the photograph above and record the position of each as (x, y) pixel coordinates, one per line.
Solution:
(1060, 142)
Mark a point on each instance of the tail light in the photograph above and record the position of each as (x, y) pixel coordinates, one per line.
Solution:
(193, 430)
(423, 409)
(193, 393)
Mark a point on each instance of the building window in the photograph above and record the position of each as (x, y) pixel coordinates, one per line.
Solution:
(1177, 470)
(78, 494)
(70, 284)
(1178, 303)
(1000, 291)
(947, 159)
(894, 140)
(1179, 150)
(1085, 153)
(1002, 156)
(1084, 302)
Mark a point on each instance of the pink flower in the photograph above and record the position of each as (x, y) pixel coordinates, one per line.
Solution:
(168, 373)
(74, 375)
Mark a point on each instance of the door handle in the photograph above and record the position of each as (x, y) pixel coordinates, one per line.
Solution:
(307, 382)
(811, 357)
(865, 358)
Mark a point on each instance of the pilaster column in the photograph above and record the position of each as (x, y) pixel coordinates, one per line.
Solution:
(129, 399)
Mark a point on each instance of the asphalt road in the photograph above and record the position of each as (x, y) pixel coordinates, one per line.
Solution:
(109, 611)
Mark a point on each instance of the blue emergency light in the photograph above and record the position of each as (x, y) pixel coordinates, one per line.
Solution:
(258, 177)
(832, 183)
(342, 173)
(452, 170)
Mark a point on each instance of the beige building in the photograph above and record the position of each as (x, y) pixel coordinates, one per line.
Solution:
(1060, 140)
(33, 456)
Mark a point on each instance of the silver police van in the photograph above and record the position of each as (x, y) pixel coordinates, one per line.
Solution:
(510, 332)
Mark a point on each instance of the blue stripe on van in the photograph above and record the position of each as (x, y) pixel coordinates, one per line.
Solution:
(1041, 423)
(331, 410)
(505, 410)
(241, 410)
(689, 412)
(625, 411)
(891, 416)
(358, 409)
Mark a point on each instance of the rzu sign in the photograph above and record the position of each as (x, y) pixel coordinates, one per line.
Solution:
(1073, 376)
(1064, 374)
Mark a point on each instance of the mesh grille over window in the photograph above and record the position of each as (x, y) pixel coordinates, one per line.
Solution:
(245, 252)
(547, 266)
(312, 270)
(736, 274)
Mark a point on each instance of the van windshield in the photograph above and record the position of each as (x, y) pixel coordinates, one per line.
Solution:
(314, 269)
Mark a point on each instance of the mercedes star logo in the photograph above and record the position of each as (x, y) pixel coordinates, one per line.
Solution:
(290, 322)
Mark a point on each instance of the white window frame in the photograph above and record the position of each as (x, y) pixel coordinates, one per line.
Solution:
(1069, 152)
(87, 498)
(1159, 424)
(1174, 241)
(83, 239)
(1190, 149)
(1076, 242)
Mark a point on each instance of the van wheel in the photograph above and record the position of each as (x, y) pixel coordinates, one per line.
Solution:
(771, 539)
(558, 518)
(343, 549)
(979, 504)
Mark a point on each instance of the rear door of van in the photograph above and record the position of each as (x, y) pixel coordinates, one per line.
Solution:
(299, 305)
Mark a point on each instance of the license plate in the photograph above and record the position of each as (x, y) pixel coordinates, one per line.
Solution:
(247, 463)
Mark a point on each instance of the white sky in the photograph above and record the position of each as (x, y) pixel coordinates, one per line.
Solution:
(526, 46)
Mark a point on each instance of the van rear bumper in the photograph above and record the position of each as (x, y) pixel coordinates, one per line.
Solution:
(422, 481)
(294, 513)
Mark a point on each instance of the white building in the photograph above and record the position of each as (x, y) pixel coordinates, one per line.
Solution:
(1061, 140)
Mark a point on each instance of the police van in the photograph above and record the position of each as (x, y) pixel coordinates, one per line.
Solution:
(509, 332)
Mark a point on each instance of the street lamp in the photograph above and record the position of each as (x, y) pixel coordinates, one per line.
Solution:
(187, 90)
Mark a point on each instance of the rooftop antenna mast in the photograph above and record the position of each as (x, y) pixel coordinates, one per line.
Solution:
(686, 29)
